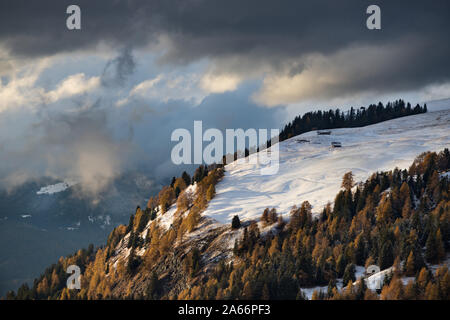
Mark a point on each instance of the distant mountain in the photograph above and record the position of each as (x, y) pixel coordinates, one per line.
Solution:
(44, 219)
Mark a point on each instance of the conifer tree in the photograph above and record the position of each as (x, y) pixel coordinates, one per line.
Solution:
(440, 250)
(341, 265)
(347, 181)
(431, 253)
(265, 295)
(386, 255)
(410, 268)
(186, 177)
(210, 192)
(235, 223)
(349, 273)
(265, 216)
(130, 224)
(153, 287)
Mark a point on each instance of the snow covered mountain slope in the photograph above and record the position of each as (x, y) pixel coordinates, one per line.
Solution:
(313, 170)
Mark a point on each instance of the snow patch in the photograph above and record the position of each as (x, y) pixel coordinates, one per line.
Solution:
(58, 187)
(166, 219)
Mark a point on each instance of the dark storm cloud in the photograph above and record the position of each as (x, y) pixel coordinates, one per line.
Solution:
(211, 28)
(265, 31)
(118, 69)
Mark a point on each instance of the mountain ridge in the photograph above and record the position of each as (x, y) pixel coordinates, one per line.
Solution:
(199, 248)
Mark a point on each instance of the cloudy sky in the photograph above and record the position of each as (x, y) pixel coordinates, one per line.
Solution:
(93, 103)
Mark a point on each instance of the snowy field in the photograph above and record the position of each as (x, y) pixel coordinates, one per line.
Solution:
(313, 171)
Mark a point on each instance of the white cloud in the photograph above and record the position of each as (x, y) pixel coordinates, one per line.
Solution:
(165, 87)
(354, 71)
(145, 86)
(20, 88)
(141, 90)
(437, 91)
(94, 163)
(219, 83)
(73, 85)
(17, 92)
